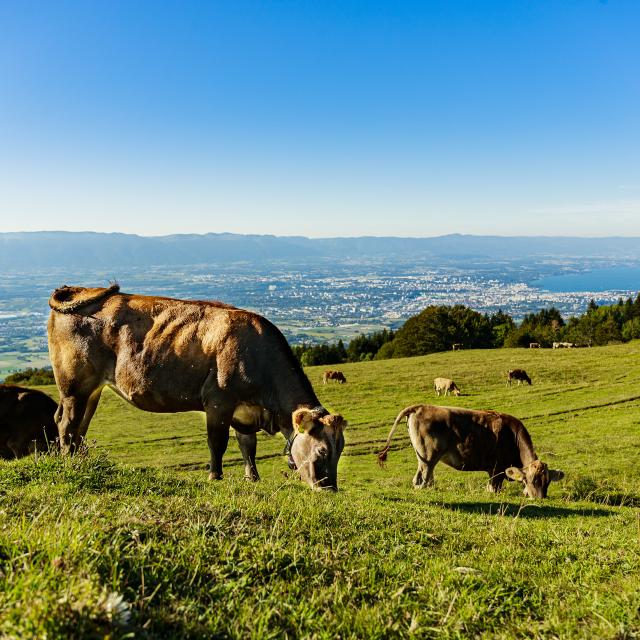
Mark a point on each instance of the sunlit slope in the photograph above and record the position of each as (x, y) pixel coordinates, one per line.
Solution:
(583, 412)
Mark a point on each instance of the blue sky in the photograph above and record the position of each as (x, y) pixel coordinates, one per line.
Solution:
(321, 118)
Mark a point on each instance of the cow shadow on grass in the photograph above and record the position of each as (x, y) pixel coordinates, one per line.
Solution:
(530, 511)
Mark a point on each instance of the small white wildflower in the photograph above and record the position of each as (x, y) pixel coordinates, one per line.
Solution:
(118, 610)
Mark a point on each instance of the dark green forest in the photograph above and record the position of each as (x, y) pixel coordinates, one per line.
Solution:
(438, 328)
(31, 376)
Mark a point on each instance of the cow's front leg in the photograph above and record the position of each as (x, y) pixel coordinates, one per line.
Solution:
(495, 482)
(248, 444)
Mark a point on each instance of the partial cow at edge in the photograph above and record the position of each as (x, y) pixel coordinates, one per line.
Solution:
(445, 386)
(469, 440)
(26, 421)
(338, 376)
(166, 355)
(517, 374)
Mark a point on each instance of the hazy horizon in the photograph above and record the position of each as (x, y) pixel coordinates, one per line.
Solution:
(331, 237)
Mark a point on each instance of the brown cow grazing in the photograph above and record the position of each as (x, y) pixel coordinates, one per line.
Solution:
(445, 386)
(338, 376)
(470, 440)
(26, 421)
(167, 355)
(517, 374)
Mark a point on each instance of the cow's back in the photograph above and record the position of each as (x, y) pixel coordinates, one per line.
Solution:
(166, 355)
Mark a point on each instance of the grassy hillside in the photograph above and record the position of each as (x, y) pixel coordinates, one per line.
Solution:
(133, 540)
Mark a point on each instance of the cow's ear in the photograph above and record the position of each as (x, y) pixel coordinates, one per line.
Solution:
(555, 474)
(302, 420)
(334, 420)
(514, 473)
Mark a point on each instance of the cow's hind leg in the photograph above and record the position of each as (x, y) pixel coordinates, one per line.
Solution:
(418, 479)
(248, 443)
(69, 418)
(90, 409)
(218, 421)
(73, 416)
(428, 457)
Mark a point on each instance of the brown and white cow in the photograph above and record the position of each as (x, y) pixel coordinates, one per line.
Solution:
(469, 440)
(167, 355)
(534, 345)
(26, 421)
(445, 386)
(517, 374)
(338, 376)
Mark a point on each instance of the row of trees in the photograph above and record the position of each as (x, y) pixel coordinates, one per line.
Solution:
(437, 328)
(31, 376)
(599, 325)
(362, 347)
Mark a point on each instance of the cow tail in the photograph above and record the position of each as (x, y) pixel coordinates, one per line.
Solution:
(63, 299)
(405, 413)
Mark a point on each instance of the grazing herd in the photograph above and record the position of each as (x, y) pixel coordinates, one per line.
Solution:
(167, 355)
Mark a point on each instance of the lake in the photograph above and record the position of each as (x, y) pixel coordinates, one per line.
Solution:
(606, 279)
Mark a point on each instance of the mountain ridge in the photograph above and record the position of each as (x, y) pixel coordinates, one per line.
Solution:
(43, 249)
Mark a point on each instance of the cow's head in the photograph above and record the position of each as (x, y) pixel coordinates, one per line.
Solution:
(455, 390)
(535, 478)
(317, 446)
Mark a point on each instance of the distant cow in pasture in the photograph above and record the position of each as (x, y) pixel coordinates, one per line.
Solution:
(26, 421)
(534, 345)
(445, 386)
(338, 376)
(517, 374)
(563, 345)
(469, 440)
(457, 346)
(167, 355)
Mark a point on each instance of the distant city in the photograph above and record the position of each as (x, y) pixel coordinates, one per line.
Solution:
(323, 300)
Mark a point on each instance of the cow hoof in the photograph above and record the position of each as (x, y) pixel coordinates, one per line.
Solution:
(252, 478)
(215, 476)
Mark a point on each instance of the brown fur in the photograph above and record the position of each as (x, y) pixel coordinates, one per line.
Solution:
(167, 355)
(26, 421)
(338, 376)
(517, 374)
(470, 440)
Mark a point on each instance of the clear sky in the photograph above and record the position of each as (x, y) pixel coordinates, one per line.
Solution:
(321, 117)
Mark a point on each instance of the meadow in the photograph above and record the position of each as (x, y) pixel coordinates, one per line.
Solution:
(132, 541)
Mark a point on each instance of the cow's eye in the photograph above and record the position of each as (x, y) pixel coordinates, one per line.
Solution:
(323, 452)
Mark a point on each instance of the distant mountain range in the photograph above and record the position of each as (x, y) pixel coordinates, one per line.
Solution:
(47, 249)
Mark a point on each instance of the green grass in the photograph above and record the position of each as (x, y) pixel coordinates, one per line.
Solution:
(133, 541)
